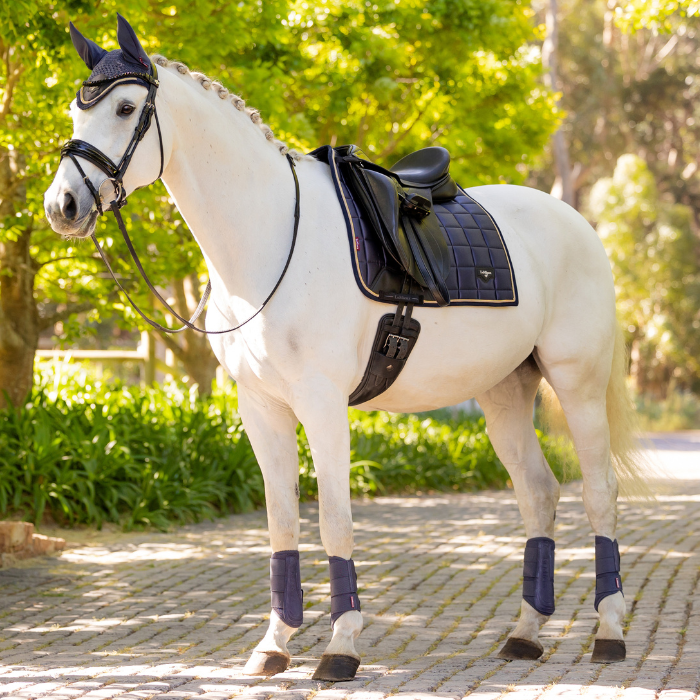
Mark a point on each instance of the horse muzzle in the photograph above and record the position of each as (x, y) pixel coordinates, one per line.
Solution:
(70, 214)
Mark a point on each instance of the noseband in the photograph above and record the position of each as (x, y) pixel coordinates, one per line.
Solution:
(115, 173)
(75, 148)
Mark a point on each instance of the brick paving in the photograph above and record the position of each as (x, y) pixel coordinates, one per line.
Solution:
(176, 615)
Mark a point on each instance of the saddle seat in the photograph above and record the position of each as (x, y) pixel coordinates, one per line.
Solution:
(428, 167)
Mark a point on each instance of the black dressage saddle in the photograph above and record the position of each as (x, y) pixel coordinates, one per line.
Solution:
(417, 239)
(399, 204)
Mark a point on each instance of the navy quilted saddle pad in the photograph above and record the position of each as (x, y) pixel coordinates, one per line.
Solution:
(481, 272)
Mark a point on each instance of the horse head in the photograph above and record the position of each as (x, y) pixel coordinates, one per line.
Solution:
(112, 115)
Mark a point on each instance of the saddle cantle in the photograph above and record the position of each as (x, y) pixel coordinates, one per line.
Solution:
(429, 167)
(417, 239)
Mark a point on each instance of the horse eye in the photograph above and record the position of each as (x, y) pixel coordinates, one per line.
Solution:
(125, 110)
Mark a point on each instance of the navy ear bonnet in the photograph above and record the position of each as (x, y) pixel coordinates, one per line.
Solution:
(128, 65)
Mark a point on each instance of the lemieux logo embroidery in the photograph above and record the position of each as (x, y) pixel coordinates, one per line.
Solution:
(485, 274)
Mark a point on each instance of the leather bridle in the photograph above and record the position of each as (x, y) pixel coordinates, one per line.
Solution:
(75, 148)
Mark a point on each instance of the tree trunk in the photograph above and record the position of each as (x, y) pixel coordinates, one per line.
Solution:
(563, 185)
(19, 320)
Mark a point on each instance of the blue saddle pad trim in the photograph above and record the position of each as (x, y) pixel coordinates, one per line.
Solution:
(473, 237)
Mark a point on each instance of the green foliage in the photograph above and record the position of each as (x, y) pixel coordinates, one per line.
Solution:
(89, 452)
(632, 15)
(637, 95)
(654, 254)
(86, 452)
(679, 410)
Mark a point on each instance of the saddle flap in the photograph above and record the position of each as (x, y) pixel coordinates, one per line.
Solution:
(386, 196)
(433, 241)
(430, 253)
(381, 196)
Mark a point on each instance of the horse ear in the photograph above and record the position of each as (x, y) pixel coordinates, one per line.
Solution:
(129, 43)
(88, 50)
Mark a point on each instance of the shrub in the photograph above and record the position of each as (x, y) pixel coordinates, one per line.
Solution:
(86, 451)
(680, 410)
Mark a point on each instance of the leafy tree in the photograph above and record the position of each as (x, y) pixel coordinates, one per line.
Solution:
(391, 76)
(653, 250)
(635, 14)
(628, 92)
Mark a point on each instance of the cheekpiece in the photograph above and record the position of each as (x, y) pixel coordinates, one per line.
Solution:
(285, 587)
(113, 70)
(538, 574)
(607, 569)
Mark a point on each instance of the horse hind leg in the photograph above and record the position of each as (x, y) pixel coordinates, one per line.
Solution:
(508, 411)
(581, 387)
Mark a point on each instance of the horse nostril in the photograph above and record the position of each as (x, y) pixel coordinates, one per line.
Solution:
(69, 207)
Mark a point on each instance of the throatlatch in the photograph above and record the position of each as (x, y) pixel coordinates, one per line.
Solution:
(538, 574)
(607, 569)
(285, 587)
(343, 587)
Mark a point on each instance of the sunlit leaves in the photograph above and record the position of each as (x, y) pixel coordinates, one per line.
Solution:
(654, 14)
(654, 255)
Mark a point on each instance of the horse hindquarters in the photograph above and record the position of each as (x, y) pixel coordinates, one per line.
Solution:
(575, 349)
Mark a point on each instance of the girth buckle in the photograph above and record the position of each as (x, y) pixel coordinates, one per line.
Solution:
(396, 346)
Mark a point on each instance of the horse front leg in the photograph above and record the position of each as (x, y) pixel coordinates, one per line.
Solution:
(271, 428)
(323, 410)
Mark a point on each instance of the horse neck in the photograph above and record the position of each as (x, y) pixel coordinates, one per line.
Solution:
(232, 187)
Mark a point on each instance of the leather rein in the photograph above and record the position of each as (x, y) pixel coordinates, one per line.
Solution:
(75, 148)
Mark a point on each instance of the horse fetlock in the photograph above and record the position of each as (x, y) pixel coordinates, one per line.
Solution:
(277, 636)
(529, 624)
(523, 643)
(271, 655)
(346, 630)
(612, 611)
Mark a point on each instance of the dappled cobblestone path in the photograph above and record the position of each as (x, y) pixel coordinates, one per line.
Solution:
(175, 615)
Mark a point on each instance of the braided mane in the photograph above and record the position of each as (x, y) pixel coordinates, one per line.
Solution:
(238, 102)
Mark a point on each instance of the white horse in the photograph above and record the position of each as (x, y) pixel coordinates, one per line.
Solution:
(300, 359)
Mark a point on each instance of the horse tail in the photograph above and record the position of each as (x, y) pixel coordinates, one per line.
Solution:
(631, 465)
(629, 460)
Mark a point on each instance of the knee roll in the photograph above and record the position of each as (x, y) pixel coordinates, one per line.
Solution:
(538, 574)
(607, 569)
(285, 587)
(343, 587)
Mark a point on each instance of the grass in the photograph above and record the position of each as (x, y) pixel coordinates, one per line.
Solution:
(86, 451)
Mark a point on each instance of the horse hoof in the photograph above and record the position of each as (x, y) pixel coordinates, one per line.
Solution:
(608, 651)
(336, 667)
(518, 649)
(267, 663)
